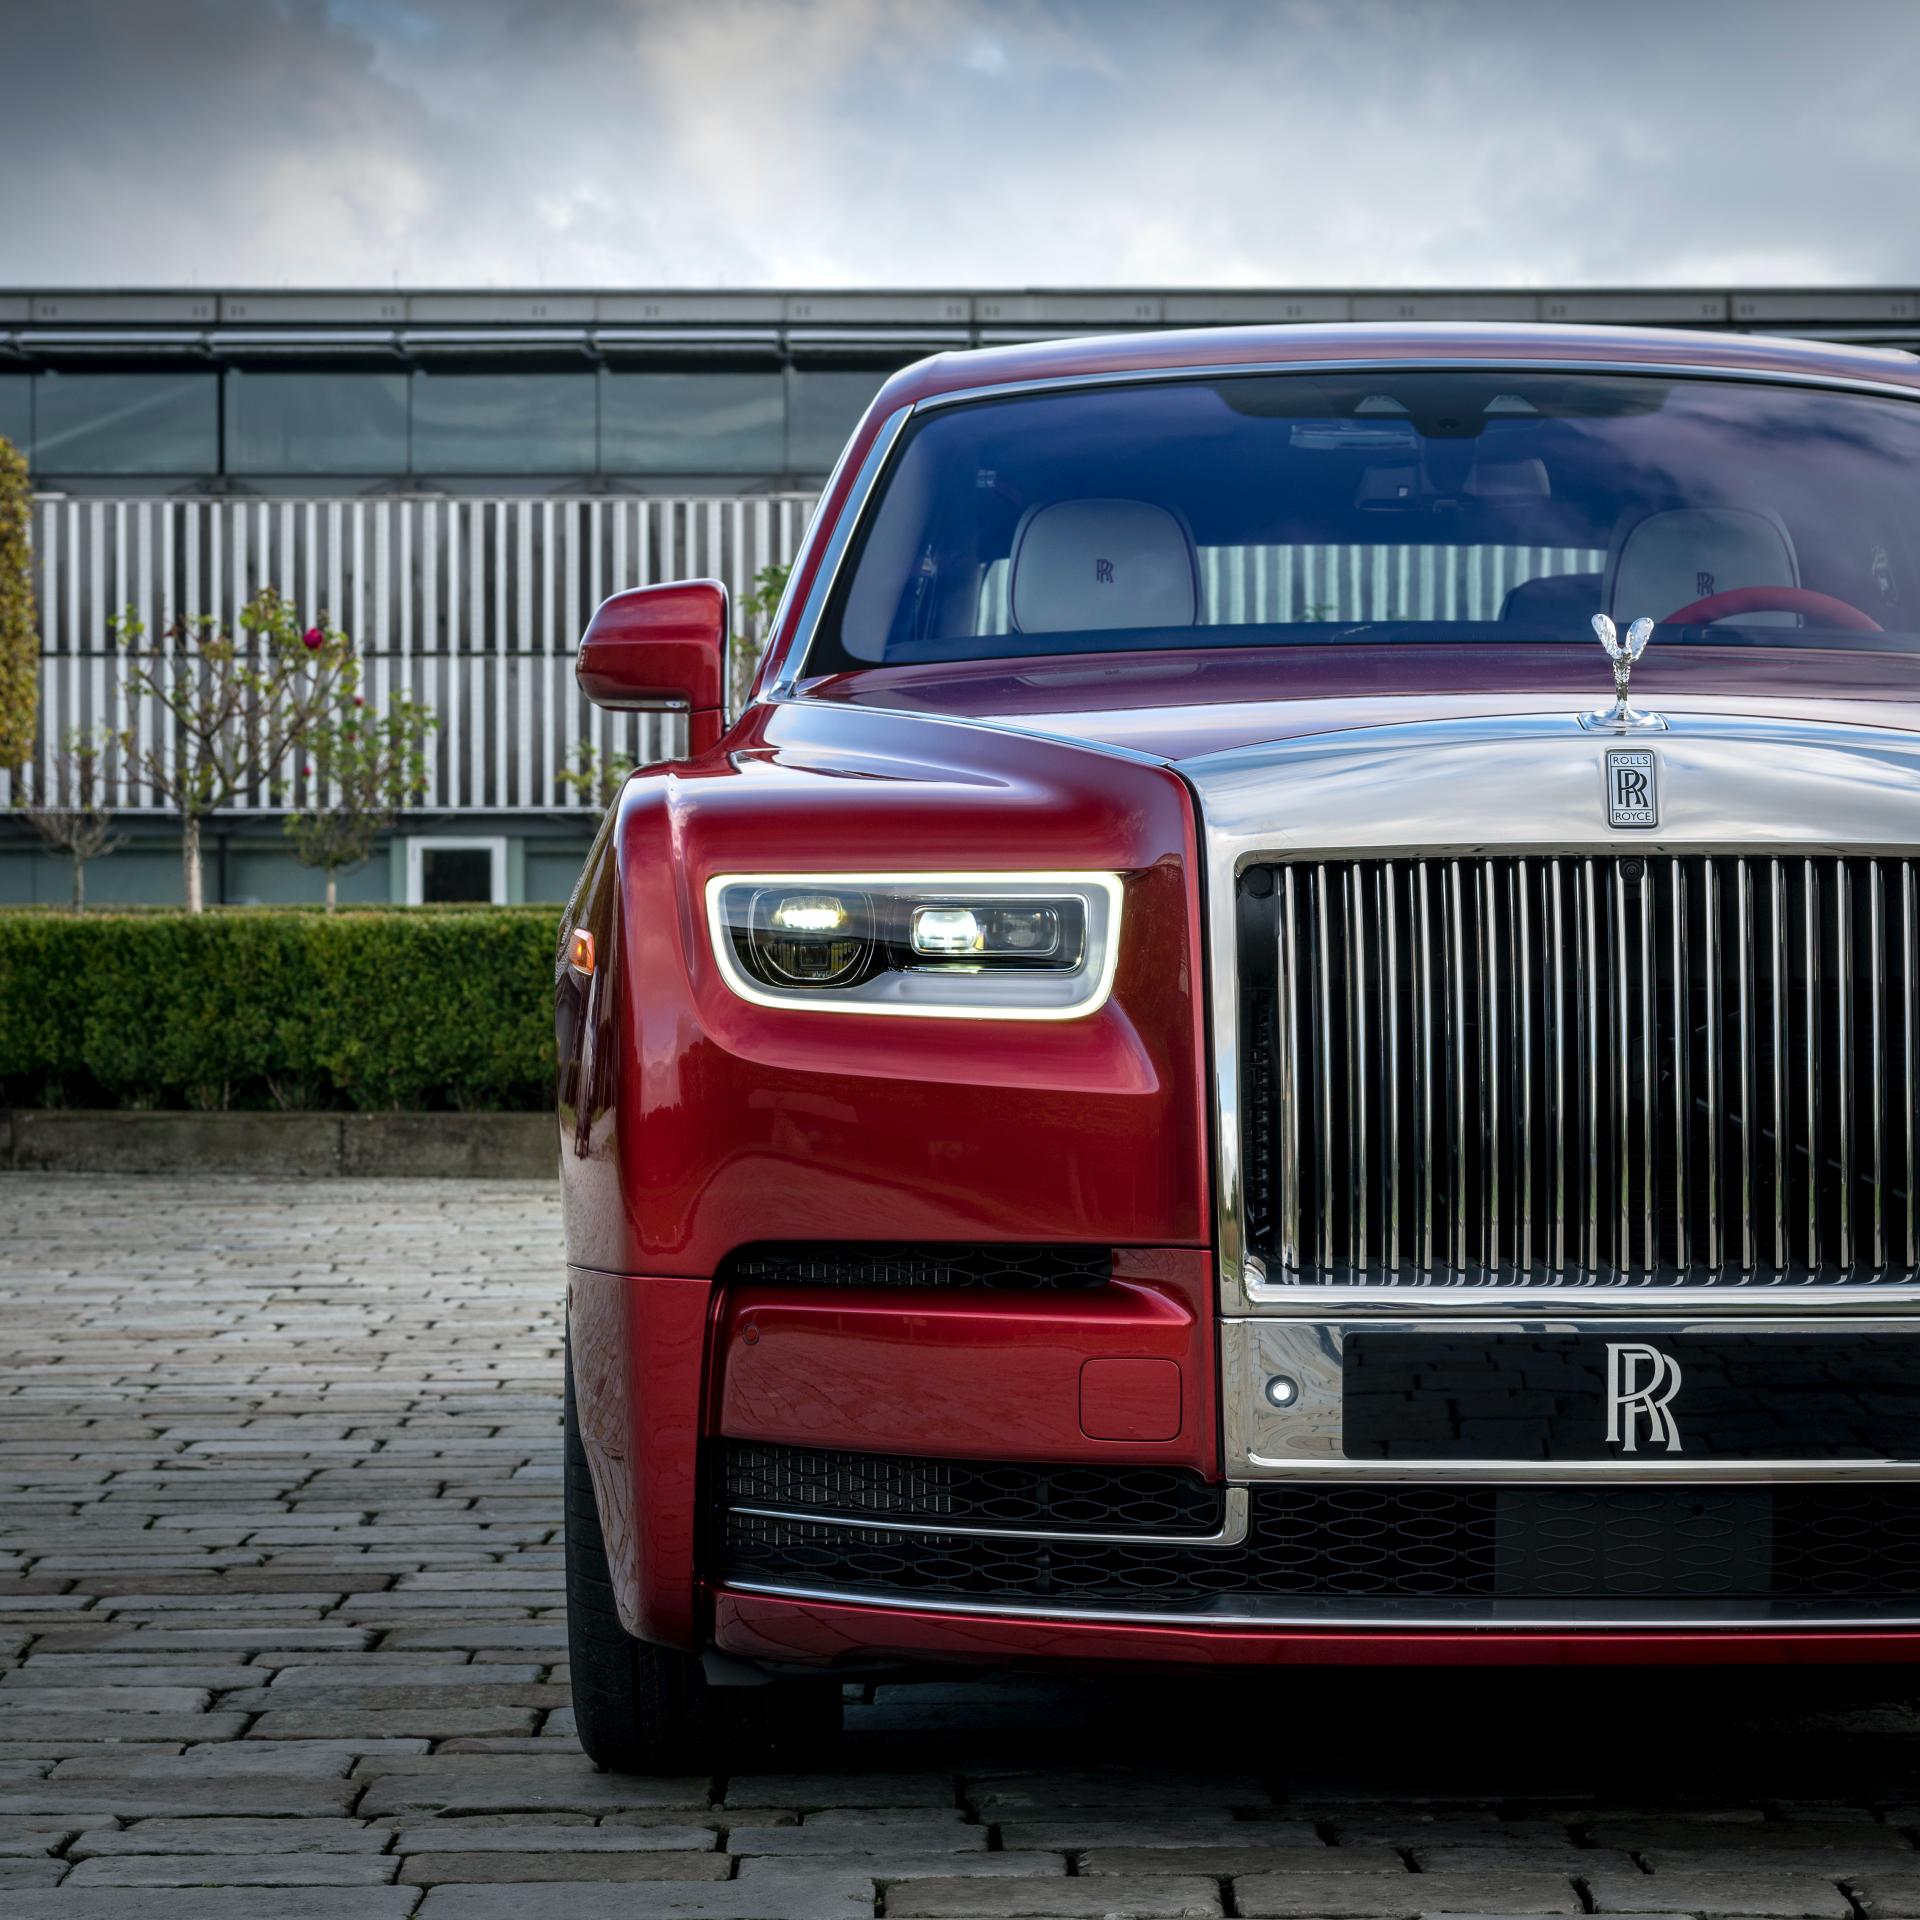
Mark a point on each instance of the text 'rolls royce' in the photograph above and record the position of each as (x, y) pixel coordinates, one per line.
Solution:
(1287, 1031)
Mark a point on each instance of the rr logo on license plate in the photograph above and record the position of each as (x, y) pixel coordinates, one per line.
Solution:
(1632, 798)
(1641, 1383)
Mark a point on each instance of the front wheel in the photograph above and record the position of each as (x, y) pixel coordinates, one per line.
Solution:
(640, 1708)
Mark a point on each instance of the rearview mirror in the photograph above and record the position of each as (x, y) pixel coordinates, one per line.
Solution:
(653, 649)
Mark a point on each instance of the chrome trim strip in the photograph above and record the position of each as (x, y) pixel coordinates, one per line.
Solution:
(1231, 1533)
(1911, 1110)
(1777, 998)
(1290, 1087)
(1415, 363)
(1682, 1098)
(1329, 1619)
(1877, 973)
(1710, 927)
(852, 511)
(1843, 994)
(1811, 910)
(1523, 982)
(1389, 917)
(1743, 1026)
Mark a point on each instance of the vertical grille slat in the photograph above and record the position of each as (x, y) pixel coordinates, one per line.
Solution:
(1585, 1070)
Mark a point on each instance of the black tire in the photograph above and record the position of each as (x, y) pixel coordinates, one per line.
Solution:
(640, 1708)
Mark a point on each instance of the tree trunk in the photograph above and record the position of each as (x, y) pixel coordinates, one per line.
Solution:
(333, 890)
(79, 884)
(190, 861)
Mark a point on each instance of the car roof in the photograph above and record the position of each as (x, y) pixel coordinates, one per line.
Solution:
(1198, 350)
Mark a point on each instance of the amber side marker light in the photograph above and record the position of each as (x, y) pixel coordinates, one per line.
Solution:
(580, 951)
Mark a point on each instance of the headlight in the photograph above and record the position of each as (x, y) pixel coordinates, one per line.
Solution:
(1028, 946)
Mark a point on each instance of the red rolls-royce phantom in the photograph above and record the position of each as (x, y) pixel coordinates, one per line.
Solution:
(1286, 1033)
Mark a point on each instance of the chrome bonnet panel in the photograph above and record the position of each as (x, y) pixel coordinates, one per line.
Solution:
(1519, 784)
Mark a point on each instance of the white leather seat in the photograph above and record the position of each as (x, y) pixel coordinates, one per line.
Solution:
(1079, 566)
(1668, 560)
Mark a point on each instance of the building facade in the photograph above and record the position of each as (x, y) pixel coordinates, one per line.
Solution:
(457, 479)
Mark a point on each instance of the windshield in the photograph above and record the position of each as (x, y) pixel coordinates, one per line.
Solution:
(1417, 506)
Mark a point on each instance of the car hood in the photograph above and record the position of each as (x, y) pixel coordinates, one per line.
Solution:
(1181, 704)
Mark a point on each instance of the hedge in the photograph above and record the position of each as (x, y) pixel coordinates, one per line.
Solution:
(408, 1008)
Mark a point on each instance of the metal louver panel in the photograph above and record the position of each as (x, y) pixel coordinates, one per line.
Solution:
(1582, 1070)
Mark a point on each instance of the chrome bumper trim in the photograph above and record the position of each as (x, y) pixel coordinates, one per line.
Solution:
(1231, 1533)
(1368, 1616)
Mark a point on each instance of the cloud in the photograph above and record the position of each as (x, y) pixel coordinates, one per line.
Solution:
(961, 142)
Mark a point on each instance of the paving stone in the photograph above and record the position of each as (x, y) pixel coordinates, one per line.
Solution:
(25, 1872)
(1036, 1795)
(461, 1836)
(821, 1898)
(231, 1836)
(211, 1903)
(1886, 1895)
(1157, 1898)
(447, 1869)
(1831, 1863)
(427, 1724)
(1679, 1837)
(28, 1837)
(891, 1867)
(1754, 1896)
(146, 1800)
(298, 1869)
(1101, 1827)
(1313, 1895)
(122, 1726)
(811, 1791)
(1565, 1859)
(102, 1699)
(321, 1760)
(892, 1835)
(509, 1786)
(1227, 1860)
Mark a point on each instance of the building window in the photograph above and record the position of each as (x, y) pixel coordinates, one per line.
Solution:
(503, 423)
(444, 869)
(824, 406)
(349, 423)
(16, 411)
(127, 423)
(692, 423)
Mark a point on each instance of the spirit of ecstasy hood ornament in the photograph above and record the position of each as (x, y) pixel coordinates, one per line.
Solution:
(1621, 718)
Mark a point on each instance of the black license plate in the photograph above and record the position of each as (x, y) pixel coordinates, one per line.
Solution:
(1631, 1395)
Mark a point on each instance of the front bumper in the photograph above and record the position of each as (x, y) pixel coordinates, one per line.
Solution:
(915, 1479)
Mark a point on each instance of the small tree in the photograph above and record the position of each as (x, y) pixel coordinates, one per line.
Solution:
(595, 777)
(756, 609)
(67, 814)
(238, 705)
(19, 640)
(374, 766)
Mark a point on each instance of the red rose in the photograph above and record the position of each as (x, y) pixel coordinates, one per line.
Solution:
(314, 638)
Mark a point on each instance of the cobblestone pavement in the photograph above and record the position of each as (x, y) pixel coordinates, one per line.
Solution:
(281, 1626)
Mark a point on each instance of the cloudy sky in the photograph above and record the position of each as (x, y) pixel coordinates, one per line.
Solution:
(960, 142)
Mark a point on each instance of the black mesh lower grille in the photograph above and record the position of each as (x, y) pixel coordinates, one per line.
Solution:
(1816, 1544)
(832, 1263)
(974, 1492)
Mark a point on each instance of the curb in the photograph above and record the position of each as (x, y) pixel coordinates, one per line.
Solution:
(473, 1146)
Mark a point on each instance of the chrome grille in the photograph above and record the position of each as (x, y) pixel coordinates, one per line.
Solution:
(1581, 1071)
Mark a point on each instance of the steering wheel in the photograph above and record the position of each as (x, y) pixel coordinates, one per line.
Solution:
(1820, 607)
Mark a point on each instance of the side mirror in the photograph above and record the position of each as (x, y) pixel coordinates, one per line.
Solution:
(657, 648)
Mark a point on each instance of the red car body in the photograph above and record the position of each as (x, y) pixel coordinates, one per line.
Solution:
(696, 1124)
